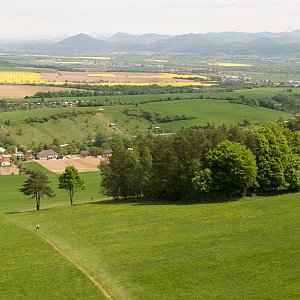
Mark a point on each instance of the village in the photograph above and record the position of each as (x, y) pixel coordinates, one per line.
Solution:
(11, 163)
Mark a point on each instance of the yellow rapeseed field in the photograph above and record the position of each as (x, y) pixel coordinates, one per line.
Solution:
(101, 75)
(163, 83)
(21, 78)
(94, 57)
(68, 62)
(158, 60)
(152, 75)
(186, 76)
(229, 64)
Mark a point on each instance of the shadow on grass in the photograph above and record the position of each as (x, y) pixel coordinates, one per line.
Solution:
(26, 211)
(160, 202)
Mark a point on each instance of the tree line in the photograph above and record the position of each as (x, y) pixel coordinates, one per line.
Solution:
(205, 163)
(155, 117)
(286, 102)
(107, 90)
(55, 117)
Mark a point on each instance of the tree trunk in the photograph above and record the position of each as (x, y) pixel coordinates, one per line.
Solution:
(37, 204)
(71, 196)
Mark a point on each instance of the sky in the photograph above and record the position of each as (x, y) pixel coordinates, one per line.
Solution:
(50, 18)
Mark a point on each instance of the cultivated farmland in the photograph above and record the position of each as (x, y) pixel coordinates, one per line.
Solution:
(20, 78)
(82, 164)
(127, 78)
(20, 91)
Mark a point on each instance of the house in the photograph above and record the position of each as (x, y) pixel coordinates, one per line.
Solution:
(84, 153)
(47, 154)
(29, 156)
(2, 150)
(5, 161)
(19, 155)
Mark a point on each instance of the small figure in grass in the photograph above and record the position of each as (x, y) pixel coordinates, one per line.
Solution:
(37, 227)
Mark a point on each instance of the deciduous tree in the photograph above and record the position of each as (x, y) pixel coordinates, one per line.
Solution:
(71, 181)
(233, 168)
(37, 185)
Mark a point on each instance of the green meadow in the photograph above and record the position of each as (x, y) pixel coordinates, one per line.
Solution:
(204, 110)
(213, 109)
(246, 249)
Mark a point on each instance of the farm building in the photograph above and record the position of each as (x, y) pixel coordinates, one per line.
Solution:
(47, 154)
(29, 156)
(5, 161)
(19, 155)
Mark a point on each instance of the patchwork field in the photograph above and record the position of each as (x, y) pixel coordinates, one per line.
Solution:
(82, 164)
(115, 78)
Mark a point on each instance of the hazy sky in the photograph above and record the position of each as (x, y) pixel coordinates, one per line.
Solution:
(36, 18)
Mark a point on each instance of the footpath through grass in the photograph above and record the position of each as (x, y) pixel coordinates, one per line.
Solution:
(248, 249)
(31, 269)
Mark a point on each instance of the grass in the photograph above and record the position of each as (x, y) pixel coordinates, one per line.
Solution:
(245, 249)
(31, 269)
(13, 201)
(206, 110)
(212, 111)
(259, 92)
(80, 127)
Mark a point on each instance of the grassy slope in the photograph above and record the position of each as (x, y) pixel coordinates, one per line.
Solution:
(238, 250)
(13, 201)
(65, 130)
(213, 111)
(259, 92)
(31, 269)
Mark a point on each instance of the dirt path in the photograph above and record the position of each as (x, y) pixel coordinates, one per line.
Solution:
(61, 250)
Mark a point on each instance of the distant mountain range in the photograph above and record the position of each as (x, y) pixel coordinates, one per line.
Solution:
(234, 43)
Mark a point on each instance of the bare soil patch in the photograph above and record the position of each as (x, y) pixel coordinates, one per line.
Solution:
(87, 164)
(12, 170)
(20, 91)
(122, 77)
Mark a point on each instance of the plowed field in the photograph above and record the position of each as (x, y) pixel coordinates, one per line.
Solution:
(82, 164)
